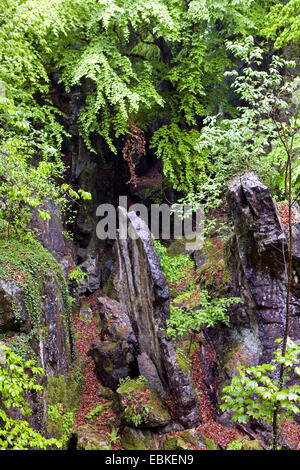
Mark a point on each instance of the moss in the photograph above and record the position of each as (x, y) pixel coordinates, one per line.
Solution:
(183, 362)
(187, 436)
(155, 401)
(107, 393)
(29, 265)
(209, 443)
(89, 438)
(92, 415)
(131, 441)
(174, 443)
(109, 289)
(252, 445)
(185, 345)
(108, 367)
(131, 385)
(214, 273)
(177, 247)
(110, 344)
(63, 400)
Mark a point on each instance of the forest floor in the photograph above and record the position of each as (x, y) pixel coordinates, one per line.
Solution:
(87, 330)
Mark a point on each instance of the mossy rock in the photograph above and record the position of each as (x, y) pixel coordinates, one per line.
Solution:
(89, 438)
(177, 247)
(252, 445)
(61, 395)
(175, 443)
(138, 439)
(96, 412)
(107, 393)
(209, 443)
(183, 362)
(158, 415)
(109, 289)
(190, 437)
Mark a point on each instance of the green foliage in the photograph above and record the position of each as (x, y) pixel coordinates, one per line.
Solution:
(121, 51)
(77, 275)
(17, 378)
(134, 61)
(65, 420)
(235, 445)
(283, 23)
(173, 266)
(113, 437)
(255, 391)
(137, 398)
(63, 401)
(204, 311)
(253, 139)
(28, 264)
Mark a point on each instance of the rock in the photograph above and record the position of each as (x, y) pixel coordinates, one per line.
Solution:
(197, 439)
(115, 321)
(138, 439)
(35, 314)
(85, 311)
(258, 255)
(97, 411)
(89, 438)
(199, 257)
(111, 362)
(187, 438)
(175, 443)
(148, 369)
(113, 353)
(134, 397)
(171, 427)
(209, 443)
(13, 314)
(107, 393)
(50, 233)
(144, 294)
(252, 445)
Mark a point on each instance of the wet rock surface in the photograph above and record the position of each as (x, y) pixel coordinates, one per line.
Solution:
(143, 292)
(114, 353)
(258, 261)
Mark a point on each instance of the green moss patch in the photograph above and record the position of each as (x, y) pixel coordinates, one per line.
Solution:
(63, 400)
(96, 412)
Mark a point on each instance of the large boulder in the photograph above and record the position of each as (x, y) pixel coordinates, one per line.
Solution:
(258, 261)
(143, 292)
(138, 439)
(141, 405)
(35, 313)
(114, 353)
(89, 438)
